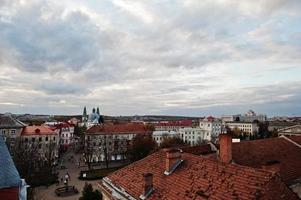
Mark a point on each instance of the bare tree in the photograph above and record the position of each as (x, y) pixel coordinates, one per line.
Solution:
(88, 152)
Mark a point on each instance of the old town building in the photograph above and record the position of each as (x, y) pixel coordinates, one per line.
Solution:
(43, 138)
(111, 141)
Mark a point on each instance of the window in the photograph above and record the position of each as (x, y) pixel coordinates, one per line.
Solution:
(46, 139)
(40, 139)
(54, 138)
(26, 139)
(3, 131)
(13, 131)
(40, 146)
(33, 139)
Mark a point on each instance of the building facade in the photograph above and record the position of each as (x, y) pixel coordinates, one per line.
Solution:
(42, 138)
(111, 141)
(247, 128)
(212, 127)
(194, 135)
(172, 125)
(159, 136)
(10, 128)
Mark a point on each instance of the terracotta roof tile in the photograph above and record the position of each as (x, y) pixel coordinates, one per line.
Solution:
(256, 153)
(199, 178)
(37, 130)
(295, 138)
(198, 150)
(137, 128)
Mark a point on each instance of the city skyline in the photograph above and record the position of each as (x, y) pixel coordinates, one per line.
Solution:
(138, 57)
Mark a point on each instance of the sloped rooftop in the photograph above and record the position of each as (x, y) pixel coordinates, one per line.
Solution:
(199, 178)
(9, 176)
(7, 121)
(257, 153)
(124, 128)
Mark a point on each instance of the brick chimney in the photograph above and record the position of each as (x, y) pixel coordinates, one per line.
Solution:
(225, 148)
(173, 159)
(272, 166)
(147, 185)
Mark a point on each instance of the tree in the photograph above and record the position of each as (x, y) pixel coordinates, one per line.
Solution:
(89, 194)
(36, 169)
(169, 142)
(141, 146)
(88, 152)
(263, 129)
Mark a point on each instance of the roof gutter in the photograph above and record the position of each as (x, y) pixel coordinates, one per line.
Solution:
(119, 193)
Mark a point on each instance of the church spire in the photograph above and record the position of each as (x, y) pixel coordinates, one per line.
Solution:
(85, 116)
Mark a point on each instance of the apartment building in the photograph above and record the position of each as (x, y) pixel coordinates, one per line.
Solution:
(159, 136)
(112, 140)
(212, 127)
(248, 128)
(10, 128)
(43, 138)
(194, 135)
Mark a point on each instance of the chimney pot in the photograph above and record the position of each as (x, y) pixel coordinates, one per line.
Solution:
(225, 148)
(173, 159)
(147, 185)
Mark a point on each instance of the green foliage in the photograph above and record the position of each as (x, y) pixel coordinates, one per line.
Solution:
(90, 194)
(79, 130)
(169, 142)
(142, 145)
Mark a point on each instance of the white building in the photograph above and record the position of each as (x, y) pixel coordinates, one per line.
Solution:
(212, 127)
(158, 136)
(65, 132)
(246, 127)
(194, 135)
(172, 125)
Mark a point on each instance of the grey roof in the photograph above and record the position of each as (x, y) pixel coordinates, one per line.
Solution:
(9, 176)
(7, 121)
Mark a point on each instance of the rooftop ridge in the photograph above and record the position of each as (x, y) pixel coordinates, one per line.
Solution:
(290, 140)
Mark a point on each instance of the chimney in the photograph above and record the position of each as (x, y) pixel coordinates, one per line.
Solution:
(173, 160)
(272, 166)
(225, 148)
(147, 185)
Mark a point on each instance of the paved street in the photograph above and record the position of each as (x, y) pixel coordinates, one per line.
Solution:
(44, 193)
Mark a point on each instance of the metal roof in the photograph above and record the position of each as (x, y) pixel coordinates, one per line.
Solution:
(9, 176)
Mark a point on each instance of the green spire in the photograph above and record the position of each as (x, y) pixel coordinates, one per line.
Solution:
(85, 116)
(97, 111)
(93, 110)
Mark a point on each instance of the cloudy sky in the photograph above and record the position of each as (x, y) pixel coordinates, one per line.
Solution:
(177, 57)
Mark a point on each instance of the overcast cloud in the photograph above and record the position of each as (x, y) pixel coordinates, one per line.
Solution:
(185, 57)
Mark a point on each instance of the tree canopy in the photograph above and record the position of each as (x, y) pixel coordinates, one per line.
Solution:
(142, 145)
(169, 142)
(89, 194)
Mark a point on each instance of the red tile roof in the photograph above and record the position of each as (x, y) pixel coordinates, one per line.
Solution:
(198, 150)
(37, 130)
(295, 138)
(258, 152)
(60, 125)
(127, 128)
(175, 123)
(199, 178)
